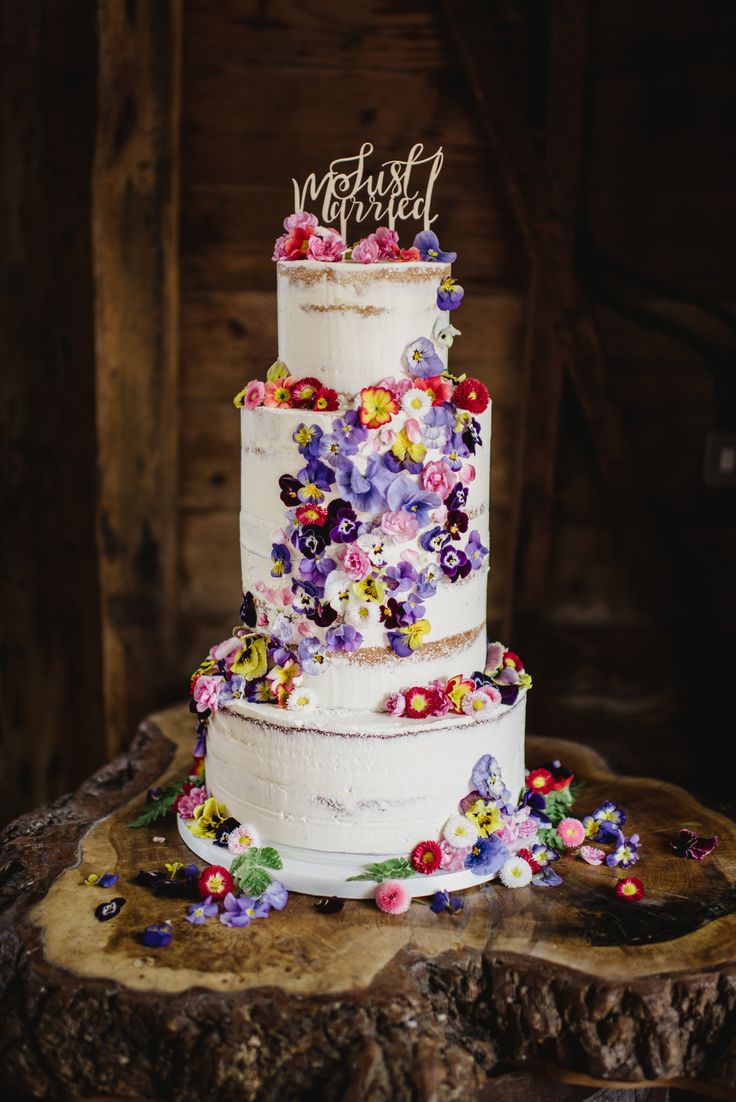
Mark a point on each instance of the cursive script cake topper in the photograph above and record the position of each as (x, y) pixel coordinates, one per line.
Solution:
(391, 195)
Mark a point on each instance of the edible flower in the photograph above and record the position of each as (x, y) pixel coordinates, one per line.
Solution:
(486, 856)
(610, 818)
(689, 844)
(281, 560)
(626, 852)
(422, 359)
(377, 406)
(105, 911)
(426, 857)
(450, 294)
(207, 818)
(326, 400)
(304, 392)
(300, 700)
(278, 394)
(294, 244)
(471, 394)
(198, 913)
(156, 936)
(325, 244)
(243, 838)
(592, 855)
(515, 873)
(392, 897)
(539, 781)
(251, 396)
(460, 832)
(630, 888)
(456, 689)
(419, 702)
(486, 777)
(444, 903)
(215, 882)
(571, 832)
(409, 638)
(241, 912)
(429, 248)
(485, 817)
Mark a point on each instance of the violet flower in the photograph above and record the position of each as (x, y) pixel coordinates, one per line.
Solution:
(486, 778)
(241, 911)
(343, 638)
(346, 526)
(442, 902)
(412, 609)
(438, 424)
(610, 818)
(690, 845)
(111, 909)
(350, 430)
(486, 856)
(403, 493)
(307, 438)
(434, 539)
(454, 563)
(198, 913)
(471, 436)
(457, 497)
(156, 936)
(475, 550)
(365, 492)
(626, 852)
(427, 582)
(399, 578)
(290, 488)
(422, 359)
(544, 855)
(281, 559)
(275, 896)
(316, 570)
(429, 248)
(310, 540)
(456, 523)
(450, 294)
(312, 655)
(306, 597)
(546, 878)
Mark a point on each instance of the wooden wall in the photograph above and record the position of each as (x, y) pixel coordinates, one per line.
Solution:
(274, 89)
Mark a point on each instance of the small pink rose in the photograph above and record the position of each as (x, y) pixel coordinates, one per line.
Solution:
(326, 245)
(400, 525)
(300, 220)
(262, 620)
(355, 562)
(367, 251)
(592, 855)
(388, 243)
(453, 860)
(467, 473)
(206, 693)
(398, 387)
(395, 704)
(438, 478)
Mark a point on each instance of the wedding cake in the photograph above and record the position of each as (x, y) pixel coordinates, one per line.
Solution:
(358, 713)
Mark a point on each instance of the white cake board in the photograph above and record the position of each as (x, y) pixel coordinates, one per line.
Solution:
(312, 872)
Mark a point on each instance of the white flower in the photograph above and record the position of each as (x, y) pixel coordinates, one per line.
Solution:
(459, 832)
(475, 702)
(445, 334)
(516, 873)
(362, 614)
(283, 628)
(416, 402)
(338, 589)
(374, 545)
(300, 700)
(242, 838)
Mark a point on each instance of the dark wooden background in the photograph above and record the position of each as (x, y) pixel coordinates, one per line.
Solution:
(589, 189)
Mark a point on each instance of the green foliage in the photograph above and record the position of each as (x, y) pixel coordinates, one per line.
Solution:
(549, 837)
(158, 809)
(250, 870)
(396, 868)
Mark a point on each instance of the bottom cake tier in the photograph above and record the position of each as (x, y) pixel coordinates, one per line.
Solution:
(354, 782)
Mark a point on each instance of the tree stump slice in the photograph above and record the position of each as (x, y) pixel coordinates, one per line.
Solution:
(361, 1005)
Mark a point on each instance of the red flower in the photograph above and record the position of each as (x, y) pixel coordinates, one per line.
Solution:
(630, 888)
(409, 254)
(437, 388)
(528, 856)
(511, 659)
(215, 881)
(426, 857)
(311, 514)
(326, 399)
(540, 781)
(304, 391)
(297, 242)
(471, 394)
(419, 702)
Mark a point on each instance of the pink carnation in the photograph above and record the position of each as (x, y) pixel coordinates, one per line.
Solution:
(302, 219)
(392, 897)
(326, 244)
(388, 242)
(190, 801)
(395, 704)
(206, 693)
(453, 860)
(254, 394)
(367, 251)
(572, 832)
(400, 525)
(355, 562)
(438, 478)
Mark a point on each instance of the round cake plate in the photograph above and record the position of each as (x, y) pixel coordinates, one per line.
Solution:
(312, 872)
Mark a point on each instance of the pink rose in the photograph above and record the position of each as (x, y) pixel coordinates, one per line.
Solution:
(301, 220)
(355, 562)
(187, 804)
(438, 478)
(367, 251)
(206, 693)
(395, 704)
(453, 860)
(262, 620)
(387, 241)
(327, 245)
(400, 525)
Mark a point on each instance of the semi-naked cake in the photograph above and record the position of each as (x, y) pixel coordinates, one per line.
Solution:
(358, 713)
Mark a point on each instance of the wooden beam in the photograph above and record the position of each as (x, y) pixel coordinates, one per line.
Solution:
(135, 234)
(571, 340)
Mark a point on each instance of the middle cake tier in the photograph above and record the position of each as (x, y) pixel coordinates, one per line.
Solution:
(376, 576)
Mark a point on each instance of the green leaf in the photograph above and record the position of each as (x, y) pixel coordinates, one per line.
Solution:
(396, 868)
(548, 836)
(576, 787)
(254, 881)
(557, 806)
(270, 858)
(159, 808)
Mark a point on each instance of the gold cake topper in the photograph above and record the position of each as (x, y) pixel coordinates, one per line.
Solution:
(349, 193)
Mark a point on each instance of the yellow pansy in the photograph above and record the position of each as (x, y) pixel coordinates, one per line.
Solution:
(485, 817)
(403, 446)
(251, 662)
(415, 633)
(207, 818)
(370, 589)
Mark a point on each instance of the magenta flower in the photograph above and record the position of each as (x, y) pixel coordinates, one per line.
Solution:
(367, 251)
(392, 897)
(206, 693)
(326, 244)
(302, 219)
(388, 243)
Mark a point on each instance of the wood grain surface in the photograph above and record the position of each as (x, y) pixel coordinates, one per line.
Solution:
(359, 1003)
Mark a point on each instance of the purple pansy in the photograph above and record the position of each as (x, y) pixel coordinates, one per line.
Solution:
(242, 911)
(454, 563)
(626, 852)
(544, 855)
(312, 655)
(281, 560)
(290, 488)
(199, 912)
(307, 438)
(314, 481)
(345, 526)
(107, 880)
(310, 540)
(442, 902)
(365, 492)
(475, 550)
(350, 431)
(429, 248)
(438, 422)
(111, 909)
(533, 800)
(156, 936)
(471, 436)
(547, 877)
(399, 578)
(275, 896)
(450, 294)
(610, 818)
(343, 638)
(427, 582)
(316, 570)
(434, 539)
(486, 856)
(334, 448)
(412, 609)
(457, 497)
(486, 778)
(456, 523)
(306, 597)
(456, 451)
(392, 614)
(231, 689)
(422, 359)
(404, 493)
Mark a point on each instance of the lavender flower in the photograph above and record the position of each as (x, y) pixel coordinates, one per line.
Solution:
(544, 855)
(610, 818)
(307, 438)
(107, 880)
(546, 878)
(314, 480)
(316, 570)
(412, 609)
(422, 359)
(350, 430)
(399, 578)
(442, 902)
(429, 248)
(312, 655)
(486, 778)
(427, 582)
(281, 559)
(486, 856)
(242, 911)
(232, 689)
(438, 425)
(199, 912)
(343, 638)
(626, 852)
(334, 448)
(450, 294)
(306, 598)
(275, 896)
(434, 539)
(365, 492)
(475, 550)
(403, 493)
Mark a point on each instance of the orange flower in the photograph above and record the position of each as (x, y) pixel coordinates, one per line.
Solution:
(377, 406)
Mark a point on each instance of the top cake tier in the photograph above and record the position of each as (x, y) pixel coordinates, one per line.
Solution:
(349, 324)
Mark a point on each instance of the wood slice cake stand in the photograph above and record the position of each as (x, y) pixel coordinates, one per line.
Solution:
(570, 981)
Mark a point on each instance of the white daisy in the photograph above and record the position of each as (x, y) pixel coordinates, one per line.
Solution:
(416, 402)
(516, 873)
(459, 832)
(362, 614)
(300, 700)
(242, 838)
(475, 702)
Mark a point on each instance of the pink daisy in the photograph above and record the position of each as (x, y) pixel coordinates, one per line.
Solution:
(571, 832)
(254, 394)
(392, 897)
